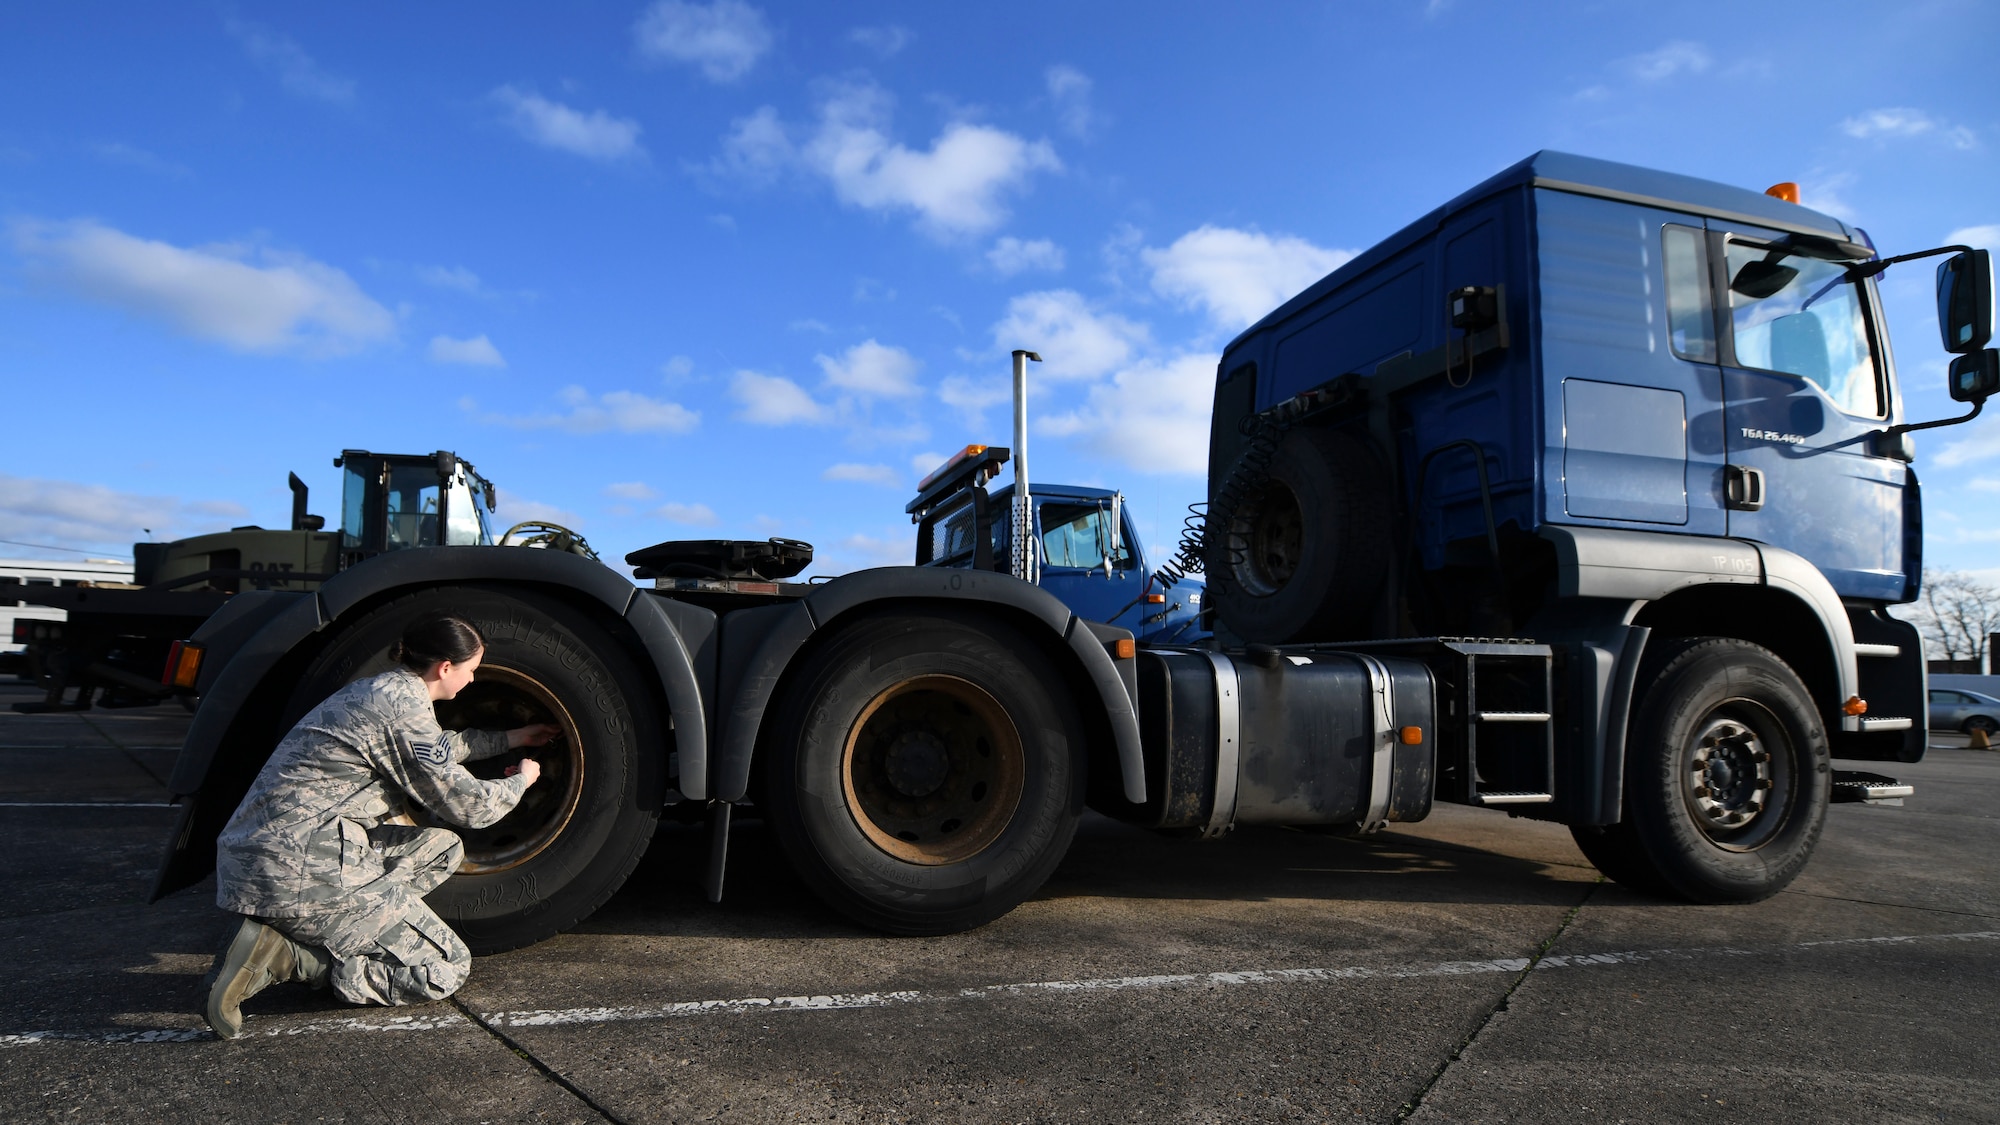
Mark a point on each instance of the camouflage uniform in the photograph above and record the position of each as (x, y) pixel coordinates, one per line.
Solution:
(308, 852)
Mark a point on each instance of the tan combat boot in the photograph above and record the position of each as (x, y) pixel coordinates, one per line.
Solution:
(257, 957)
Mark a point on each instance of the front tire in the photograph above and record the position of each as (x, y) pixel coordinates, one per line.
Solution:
(579, 831)
(927, 771)
(1727, 777)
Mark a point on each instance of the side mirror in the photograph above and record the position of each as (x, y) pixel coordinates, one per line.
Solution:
(1975, 376)
(1965, 305)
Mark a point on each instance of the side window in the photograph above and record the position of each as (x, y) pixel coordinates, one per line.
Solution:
(1690, 317)
(1802, 316)
(413, 507)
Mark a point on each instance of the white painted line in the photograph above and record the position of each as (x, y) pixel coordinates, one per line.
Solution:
(76, 804)
(445, 1019)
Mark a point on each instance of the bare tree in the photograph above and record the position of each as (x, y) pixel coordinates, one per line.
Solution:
(1955, 614)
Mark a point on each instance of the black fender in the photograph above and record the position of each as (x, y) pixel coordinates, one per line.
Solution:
(774, 637)
(240, 678)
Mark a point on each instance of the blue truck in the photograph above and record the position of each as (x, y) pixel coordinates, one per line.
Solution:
(1583, 498)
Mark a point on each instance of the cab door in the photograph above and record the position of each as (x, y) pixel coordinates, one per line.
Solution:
(1805, 383)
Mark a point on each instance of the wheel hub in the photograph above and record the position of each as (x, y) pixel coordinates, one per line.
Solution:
(1269, 542)
(503, 699)
(933, 770)
(917, 763)
(1729, 775)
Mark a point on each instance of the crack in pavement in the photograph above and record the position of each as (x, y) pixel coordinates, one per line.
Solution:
(1416, 1101)
(1890, 905)
(124, 749)
(530, 1058)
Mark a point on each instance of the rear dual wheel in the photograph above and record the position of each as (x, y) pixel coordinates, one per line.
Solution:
(926, 771)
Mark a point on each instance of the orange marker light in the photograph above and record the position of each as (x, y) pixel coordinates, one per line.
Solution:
(964, 455)
(1855, 705)
(1787, 191)
(1155, 599)
(1124, 648)
(183, 665)
(1411, 736)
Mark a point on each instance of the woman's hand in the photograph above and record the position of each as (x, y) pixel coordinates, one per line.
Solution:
(534, 734)
(528, 768)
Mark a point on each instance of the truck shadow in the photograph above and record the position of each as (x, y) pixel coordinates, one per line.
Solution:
(1108, 861)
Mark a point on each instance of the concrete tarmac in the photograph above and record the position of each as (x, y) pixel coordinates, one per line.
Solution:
(1469, 968)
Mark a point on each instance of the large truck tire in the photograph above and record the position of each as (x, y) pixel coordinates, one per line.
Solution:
(1302, 554)
(580, 829)
(926, 771)
(1727, 777)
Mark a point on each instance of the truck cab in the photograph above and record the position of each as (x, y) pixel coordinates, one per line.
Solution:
(1088, 553)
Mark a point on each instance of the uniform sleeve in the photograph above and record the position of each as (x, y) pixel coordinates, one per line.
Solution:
(423, 759)
(472, 745)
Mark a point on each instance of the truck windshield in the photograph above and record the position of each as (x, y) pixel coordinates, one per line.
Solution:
(1811, 327)
(1078, 535)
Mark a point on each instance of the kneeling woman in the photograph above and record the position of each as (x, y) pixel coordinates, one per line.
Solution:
(331, 891)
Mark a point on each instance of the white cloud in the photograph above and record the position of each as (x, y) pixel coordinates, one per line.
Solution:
(1152, 416)
(296, 71)
(131, 156)
(884, 41)
(1984, 484)
(862, 552)
(1986, 235)
(1011, 255)
(1069, 88)
(510, 508)
(1074, 341)
(697, 515)
(756, 150)
(630, 490)
(725, 39)
(870, 368)
(282, 302)
(452, 277)
(65, 514)
(975, 394)
(1238, 275)
(475, 352)
(922, 463)
(863, 474)
(626, 412)
(1980, 443)
(676, 368)
(773, 400)
(1901, 121)
(1678, 57)
(954, 188)
(595, 134)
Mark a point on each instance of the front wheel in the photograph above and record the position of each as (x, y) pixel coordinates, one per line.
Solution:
(1981, 723)
(926, 773)
(1727, 777)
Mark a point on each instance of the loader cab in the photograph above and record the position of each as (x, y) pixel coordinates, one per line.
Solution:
(392, 501)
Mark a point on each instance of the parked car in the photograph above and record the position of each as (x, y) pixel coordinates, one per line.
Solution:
(1953, 709)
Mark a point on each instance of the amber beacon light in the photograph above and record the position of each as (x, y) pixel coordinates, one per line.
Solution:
(1787, 191)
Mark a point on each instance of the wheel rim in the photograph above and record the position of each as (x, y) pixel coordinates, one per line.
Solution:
(933, 770)
(1981, 723)
(1736, 776)
(1270, 540)
(502, 699)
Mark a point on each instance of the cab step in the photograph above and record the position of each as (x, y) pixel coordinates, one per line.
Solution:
(1857, 786)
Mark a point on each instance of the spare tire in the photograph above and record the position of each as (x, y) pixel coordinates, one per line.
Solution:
(1302, 554)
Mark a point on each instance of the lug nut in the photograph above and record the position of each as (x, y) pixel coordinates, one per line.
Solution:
(1763, 783)
(1701, 790)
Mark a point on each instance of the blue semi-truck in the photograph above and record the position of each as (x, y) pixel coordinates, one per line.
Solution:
(1584, 497)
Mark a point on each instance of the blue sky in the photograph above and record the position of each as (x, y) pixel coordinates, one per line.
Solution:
(692, 270)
